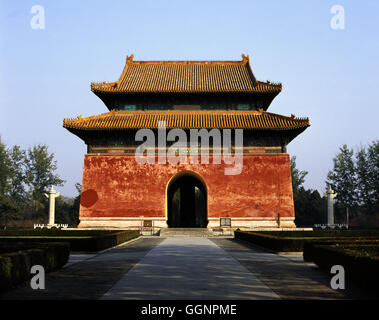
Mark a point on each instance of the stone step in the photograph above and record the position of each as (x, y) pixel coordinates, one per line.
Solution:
(186, 232)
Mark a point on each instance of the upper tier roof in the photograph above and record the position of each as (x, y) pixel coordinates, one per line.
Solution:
(186, 77)
(121, 120)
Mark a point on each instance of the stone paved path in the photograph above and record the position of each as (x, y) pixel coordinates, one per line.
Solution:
(287, 275)
(185, 268)
(189, 269)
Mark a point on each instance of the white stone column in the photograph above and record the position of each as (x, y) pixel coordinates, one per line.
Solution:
(331, 195)
(52, 195)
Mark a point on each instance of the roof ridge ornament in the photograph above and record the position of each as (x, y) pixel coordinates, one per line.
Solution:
(245, 58)
(129, 59)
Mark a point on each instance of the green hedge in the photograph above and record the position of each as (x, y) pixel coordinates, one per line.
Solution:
(269, 241)
(360, 260)
(15, 264)
(341, 243)
(327, 233)
(89, 241)
(295, 240)
(56, 232)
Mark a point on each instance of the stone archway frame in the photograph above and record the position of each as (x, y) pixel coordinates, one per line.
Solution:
(179, 175)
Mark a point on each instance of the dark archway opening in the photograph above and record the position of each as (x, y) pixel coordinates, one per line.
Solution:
(187, 203)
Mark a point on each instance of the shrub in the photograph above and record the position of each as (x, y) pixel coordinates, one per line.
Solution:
(360, 260)
(81, 240)
(283, 241)
(15, 266)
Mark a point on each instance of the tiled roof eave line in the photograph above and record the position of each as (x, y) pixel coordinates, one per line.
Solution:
(177, 127)
(185, 91)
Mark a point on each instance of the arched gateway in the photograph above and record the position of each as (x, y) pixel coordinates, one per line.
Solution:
(186, 202)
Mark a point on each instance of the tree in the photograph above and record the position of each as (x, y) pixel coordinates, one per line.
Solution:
(343, 178)
(76, 205)
(367, 166)
(356, 180)
(67, 209)
(297, 176)
(4, 169)
(24, 178)
(363, 179)
(309, 206)
(9, 210)
(17, 176)
(373, 163)
(40, 175)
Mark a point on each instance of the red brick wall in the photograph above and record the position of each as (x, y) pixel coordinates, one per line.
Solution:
(117, 186)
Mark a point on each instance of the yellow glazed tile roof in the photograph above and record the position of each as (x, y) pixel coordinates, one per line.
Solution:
(186, 77)
(186, 120)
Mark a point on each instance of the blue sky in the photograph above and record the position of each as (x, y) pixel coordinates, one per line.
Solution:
(330, 76)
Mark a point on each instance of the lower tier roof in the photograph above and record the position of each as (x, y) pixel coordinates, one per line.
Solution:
(119, 120)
